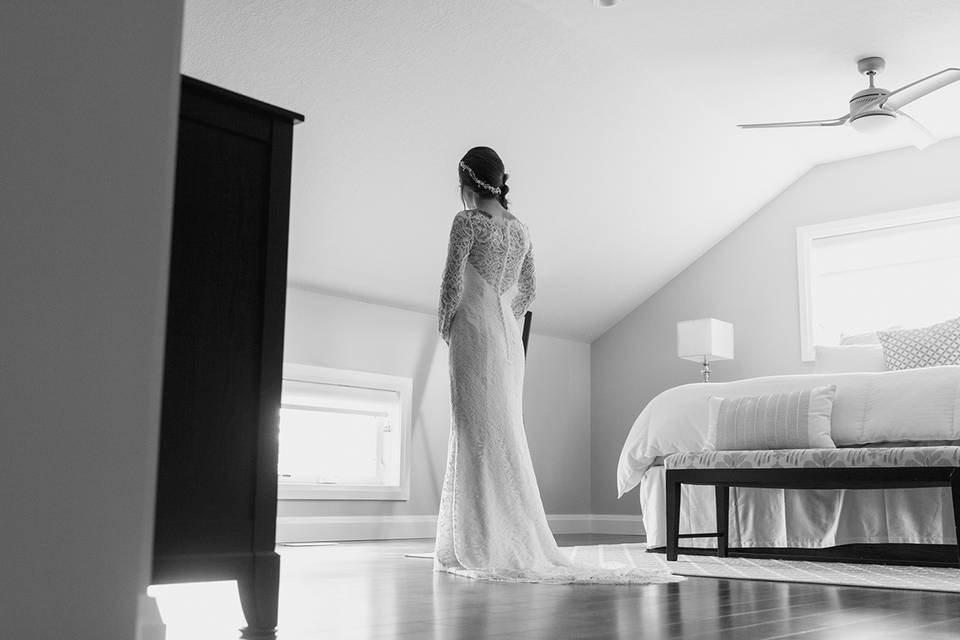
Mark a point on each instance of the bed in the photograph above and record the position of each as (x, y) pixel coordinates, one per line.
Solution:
(890, 408)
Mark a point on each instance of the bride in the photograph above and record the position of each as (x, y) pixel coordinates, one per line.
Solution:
(492, 524)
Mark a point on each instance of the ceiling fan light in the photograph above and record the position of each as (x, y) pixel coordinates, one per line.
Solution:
(873, 122)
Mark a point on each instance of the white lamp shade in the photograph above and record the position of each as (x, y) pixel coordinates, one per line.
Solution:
(705, 340)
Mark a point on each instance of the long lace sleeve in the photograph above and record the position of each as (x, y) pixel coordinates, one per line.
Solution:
(451, 289)
(526, 286)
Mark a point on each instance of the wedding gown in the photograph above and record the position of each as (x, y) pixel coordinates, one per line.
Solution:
(491, 523)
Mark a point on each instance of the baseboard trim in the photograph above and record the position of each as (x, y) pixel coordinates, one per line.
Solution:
(617, 524)
(332, 528)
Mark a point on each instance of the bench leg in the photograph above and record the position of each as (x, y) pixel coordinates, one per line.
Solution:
(955, 489)
(723, 518)
(673, 518)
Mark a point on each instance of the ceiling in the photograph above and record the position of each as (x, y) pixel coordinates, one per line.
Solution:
(616, 125)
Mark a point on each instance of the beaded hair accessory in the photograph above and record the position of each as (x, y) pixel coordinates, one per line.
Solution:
(480, 183)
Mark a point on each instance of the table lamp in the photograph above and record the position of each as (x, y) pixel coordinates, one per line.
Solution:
(704, 341)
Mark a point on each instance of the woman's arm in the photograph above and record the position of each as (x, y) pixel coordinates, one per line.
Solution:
(451, 289)
(526, 285)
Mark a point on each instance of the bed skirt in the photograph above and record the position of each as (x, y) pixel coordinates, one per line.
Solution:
(812, 519)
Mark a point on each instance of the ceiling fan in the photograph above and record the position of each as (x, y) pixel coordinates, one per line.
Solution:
(874, 109)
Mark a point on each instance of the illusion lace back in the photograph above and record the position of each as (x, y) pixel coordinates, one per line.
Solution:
(492, 524)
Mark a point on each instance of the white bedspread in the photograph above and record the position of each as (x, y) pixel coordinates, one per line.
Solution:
(913, 405)
(918, 405)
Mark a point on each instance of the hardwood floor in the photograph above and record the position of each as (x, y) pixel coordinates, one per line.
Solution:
(368, 590)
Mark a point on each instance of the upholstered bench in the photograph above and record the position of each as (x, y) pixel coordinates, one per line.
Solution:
(846, 468)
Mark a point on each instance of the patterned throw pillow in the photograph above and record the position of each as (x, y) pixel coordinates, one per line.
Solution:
(932, 346)
(794, 420)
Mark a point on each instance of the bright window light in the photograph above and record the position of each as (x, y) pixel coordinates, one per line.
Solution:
(208, 610)
(871, 274)
(329, 446)
(343, 434)
(338, 434)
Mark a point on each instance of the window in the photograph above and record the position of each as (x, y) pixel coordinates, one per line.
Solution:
(343, 435)
(899, 269)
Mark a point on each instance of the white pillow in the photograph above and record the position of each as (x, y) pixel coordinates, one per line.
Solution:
(792, 420)
(869, 337)
(852, 358)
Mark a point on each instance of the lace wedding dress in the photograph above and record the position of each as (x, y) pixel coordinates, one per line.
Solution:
(492, 523)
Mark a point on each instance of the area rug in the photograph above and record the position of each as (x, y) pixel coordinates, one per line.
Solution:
(827, 573)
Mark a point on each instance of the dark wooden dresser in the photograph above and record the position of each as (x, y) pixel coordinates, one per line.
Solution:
(217, 479)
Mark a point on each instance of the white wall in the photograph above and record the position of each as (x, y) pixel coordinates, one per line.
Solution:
(750, 279)
(86, 182)
(331, 331)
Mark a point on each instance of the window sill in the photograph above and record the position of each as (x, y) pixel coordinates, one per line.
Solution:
(293, 491)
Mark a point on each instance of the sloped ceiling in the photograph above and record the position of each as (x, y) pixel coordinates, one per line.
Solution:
(616, 125)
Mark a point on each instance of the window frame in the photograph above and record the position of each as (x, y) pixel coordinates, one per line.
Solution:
(403, 386)
(806, 235)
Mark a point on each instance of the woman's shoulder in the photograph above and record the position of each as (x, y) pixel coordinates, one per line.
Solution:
(481, 214)
(516, 222)
(462, 223)
(468, 218)
(469, 214)
(463, 216)
(510, 217)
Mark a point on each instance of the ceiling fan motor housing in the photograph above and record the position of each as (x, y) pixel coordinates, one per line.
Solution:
(872, 119)
(875, 118)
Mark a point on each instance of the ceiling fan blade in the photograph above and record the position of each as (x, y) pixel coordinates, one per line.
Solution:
(919, 134)
(910, 92)
(800, 123)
